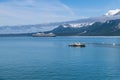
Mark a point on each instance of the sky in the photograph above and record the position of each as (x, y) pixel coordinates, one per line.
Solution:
(25, 12)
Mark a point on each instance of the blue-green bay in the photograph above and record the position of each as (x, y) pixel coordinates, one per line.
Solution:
(50, 58)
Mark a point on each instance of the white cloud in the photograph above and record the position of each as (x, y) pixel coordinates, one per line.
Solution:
(34, 11)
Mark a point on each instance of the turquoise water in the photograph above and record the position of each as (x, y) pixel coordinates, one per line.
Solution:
(30, 58)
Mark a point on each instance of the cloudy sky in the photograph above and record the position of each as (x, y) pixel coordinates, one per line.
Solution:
(23, 12)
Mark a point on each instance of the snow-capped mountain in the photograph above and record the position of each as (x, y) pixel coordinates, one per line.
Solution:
(113, 12)
(110, 15)
(107, 28)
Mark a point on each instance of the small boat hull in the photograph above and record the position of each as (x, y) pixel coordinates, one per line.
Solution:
(77, 45)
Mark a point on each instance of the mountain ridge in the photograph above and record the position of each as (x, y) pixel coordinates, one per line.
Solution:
(108, 28)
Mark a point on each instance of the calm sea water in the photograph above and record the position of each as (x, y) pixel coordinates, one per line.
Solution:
(30, 58)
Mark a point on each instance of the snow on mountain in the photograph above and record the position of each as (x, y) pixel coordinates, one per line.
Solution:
(76, 25)
(113, 12)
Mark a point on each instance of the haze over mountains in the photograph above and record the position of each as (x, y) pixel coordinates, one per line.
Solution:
(107, 24)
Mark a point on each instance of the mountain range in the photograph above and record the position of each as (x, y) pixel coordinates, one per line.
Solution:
(105, 25)
(107, 28)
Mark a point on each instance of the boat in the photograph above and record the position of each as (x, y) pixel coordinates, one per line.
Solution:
(77, 45)
(43, 35)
